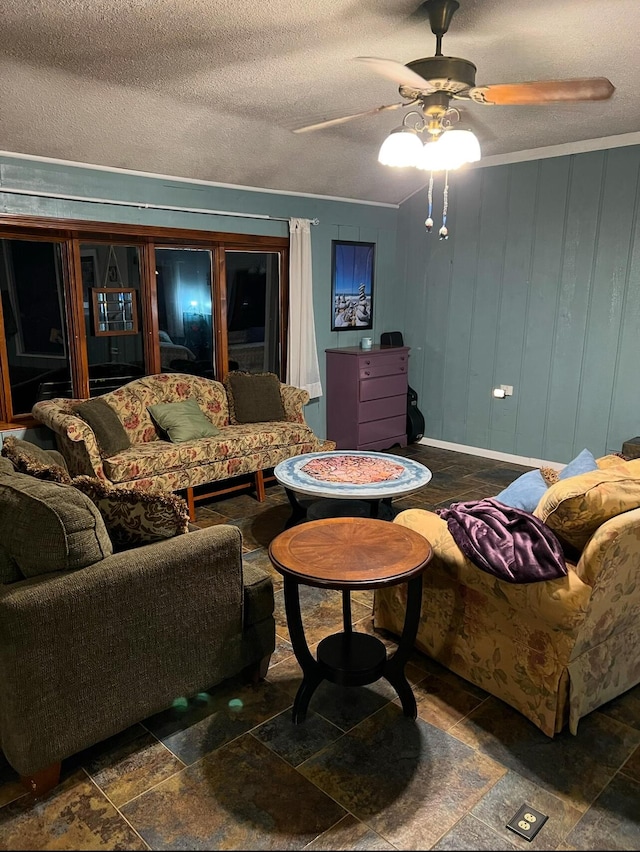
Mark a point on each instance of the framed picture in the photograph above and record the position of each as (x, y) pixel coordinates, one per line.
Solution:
(114, 311)
(352, 265)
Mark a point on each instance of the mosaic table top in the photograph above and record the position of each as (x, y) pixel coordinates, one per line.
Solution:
(352, 474)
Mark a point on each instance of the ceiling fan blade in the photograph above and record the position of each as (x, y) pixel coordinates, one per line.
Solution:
(333, 121)
(397, 72)
(544, 91)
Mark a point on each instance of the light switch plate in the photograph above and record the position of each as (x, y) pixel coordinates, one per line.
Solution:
(527, 822)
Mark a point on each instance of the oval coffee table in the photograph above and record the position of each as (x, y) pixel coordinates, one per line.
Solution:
(349, 554)
(346, 480)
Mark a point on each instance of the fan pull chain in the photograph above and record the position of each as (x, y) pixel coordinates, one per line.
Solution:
(443, 233)
(428, 222)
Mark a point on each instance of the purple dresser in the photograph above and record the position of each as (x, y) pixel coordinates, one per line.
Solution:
(367, 397)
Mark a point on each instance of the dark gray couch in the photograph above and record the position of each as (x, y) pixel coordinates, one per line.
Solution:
(87, 651)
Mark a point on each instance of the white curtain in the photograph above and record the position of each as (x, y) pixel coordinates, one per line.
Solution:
(302, 362)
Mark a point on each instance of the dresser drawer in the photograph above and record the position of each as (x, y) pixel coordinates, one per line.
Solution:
(378, 388)
(386, 366)
(376, 409)
(378, 430)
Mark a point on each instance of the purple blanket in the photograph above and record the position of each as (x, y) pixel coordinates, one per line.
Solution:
(509, 543)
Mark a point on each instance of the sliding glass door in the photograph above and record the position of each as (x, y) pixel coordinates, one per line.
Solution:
(185, 319)
(112, 315)
(33, 324)
(88, 306)
(253, 291)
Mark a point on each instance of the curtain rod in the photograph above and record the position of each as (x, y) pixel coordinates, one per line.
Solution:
(141, 205)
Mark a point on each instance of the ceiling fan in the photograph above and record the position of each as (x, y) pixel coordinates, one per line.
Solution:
(434, 81)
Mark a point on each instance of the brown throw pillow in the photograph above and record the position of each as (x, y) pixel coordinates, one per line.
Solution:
(133, 517)
(109, 431)
(254, 397)
(34, 460)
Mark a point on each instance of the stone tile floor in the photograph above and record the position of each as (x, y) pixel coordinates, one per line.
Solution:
(216, 773)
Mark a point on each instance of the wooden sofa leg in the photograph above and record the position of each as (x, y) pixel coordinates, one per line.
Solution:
(191, 503)
(260, 493)
(41, 782)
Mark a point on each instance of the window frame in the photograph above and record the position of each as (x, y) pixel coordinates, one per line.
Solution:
(70, 233)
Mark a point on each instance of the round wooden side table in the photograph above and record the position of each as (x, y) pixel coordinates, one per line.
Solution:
(349, 554)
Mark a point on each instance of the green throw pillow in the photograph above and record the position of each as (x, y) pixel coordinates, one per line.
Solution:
(109, 431)
(48, 526)
(183, 421)
(254, 397)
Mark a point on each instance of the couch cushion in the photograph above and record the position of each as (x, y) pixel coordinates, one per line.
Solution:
(575, 507)
(182, 421)
(134, 517)
(611, 460)
(158, 457)
(258, 593)
(524, 492)
(131, 401)
(49, 526)
(6, 465)
(107, 427)
(582, 463)
(33, 460)
(254, 397)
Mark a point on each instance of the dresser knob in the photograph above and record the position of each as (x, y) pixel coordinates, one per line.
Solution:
(367, 363)
(367, 373)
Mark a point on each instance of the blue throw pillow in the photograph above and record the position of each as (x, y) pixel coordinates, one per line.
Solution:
(583, 463)
(524, 492)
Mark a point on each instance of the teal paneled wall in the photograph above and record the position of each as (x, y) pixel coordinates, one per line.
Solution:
(538, 286)
(338, 220)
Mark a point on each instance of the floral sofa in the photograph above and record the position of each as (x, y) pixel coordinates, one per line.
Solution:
(555, 650)
(153, 463)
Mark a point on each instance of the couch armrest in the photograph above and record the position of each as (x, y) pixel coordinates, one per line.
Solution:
(610, 563)
(560, 603)
(75, 438)
(84, 654)
(294, 399)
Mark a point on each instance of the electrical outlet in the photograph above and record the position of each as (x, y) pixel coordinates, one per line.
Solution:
(527, 822)
(508, 389)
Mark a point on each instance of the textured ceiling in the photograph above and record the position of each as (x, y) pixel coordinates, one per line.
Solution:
(212, 89)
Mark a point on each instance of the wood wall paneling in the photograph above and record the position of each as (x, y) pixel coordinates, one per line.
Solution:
(611, 275)
(538, 286)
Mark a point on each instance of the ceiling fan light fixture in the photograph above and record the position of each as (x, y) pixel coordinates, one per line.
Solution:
(401, 148)
(461, 144)
(432, 157)
(452, 149)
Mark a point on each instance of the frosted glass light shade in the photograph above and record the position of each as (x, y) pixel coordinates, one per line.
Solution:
(460, 146)
(402, 147)
(431, 157)
(450, 151)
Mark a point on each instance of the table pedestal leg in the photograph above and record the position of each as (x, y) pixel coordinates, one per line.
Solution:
(394, 669)
(298, 512)
(351, 659)
(311, 676)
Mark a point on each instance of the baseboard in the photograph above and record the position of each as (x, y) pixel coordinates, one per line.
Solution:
(490, 454)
